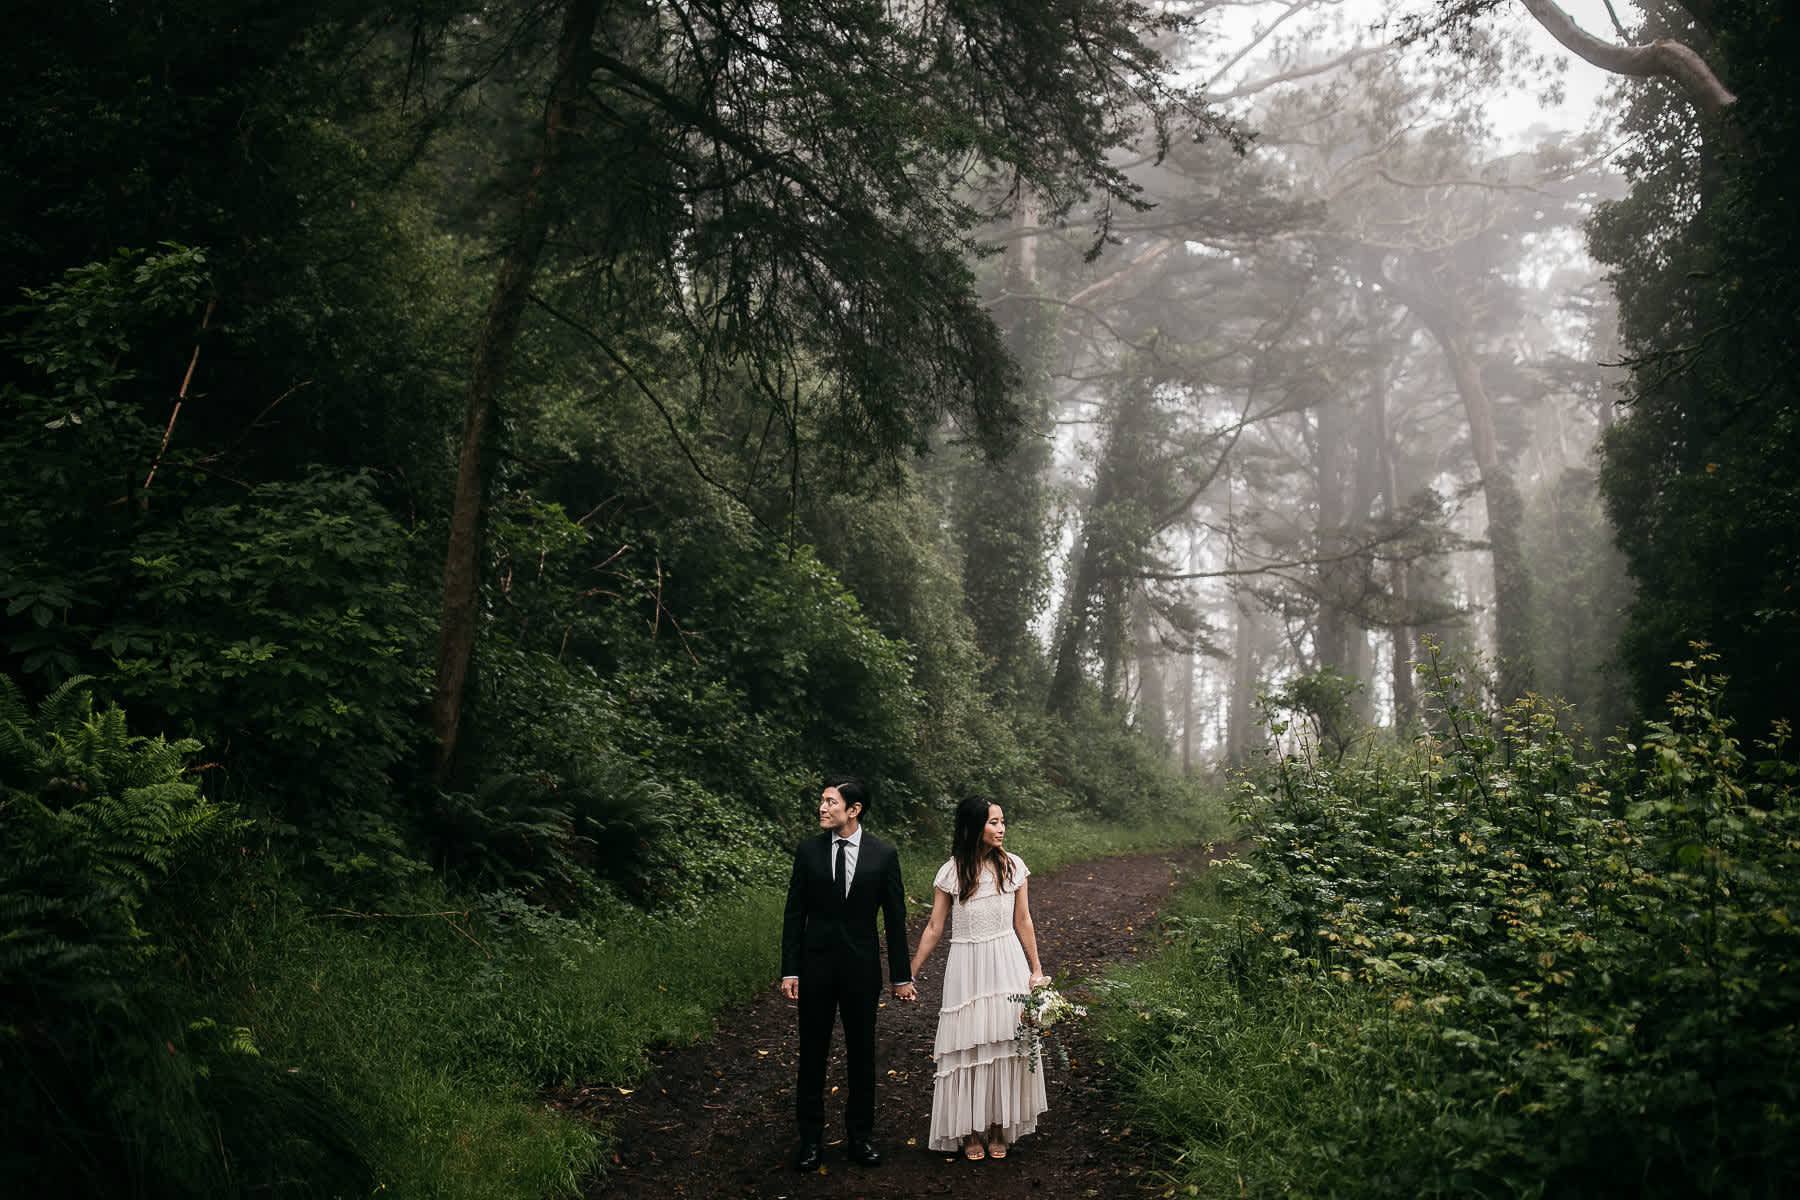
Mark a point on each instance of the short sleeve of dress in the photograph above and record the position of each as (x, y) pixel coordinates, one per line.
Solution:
(1020, 870)
(946, 878)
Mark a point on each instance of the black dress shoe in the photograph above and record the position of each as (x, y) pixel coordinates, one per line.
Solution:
(811, 1155)
(864, 1154)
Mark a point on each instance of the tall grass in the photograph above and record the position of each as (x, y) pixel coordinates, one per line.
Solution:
(436, 1030)
(1254, 1081)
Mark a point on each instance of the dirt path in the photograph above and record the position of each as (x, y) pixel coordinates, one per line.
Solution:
(716, 1118)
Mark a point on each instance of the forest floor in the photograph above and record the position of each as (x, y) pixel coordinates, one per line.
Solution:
(716, 1118)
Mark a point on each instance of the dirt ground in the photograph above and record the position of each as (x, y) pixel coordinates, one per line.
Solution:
(716, 1118)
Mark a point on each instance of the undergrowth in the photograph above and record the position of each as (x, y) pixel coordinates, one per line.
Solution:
(182, 1017)
(1492, 963)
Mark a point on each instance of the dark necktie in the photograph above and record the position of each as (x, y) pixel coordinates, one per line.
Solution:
(842, 881)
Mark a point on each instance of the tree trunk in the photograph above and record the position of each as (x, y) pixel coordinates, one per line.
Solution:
(487, 374)
(1021, 253)
(1406, 704)
(1331, 578)
(999, 507)
(1505, 515)
(1093, 609)
(1112, 638)
(1153, 700)
(1240, 725)
(1369, 481)
(1442, 317)
(1189, 662)
(1072, 630)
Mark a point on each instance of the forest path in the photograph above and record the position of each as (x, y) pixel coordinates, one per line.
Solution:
(716, 1118)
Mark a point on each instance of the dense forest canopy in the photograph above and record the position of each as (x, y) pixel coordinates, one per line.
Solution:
(515, 448)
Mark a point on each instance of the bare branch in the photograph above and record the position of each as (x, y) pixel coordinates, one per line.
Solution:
(1153, 252)
(1369, 549)
(1254, 86)
(1261, 35)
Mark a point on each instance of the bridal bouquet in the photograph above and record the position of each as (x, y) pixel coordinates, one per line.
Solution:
(1043, 1007)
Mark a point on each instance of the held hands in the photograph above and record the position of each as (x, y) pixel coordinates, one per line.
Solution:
(1038, 978)
(904, 991)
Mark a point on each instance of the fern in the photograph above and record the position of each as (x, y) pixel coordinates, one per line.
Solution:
(91, 818)
(117, 1077)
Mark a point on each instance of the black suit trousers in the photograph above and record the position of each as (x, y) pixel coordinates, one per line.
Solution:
(825, 998)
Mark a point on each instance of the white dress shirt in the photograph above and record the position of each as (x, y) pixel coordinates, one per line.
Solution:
(852, 848)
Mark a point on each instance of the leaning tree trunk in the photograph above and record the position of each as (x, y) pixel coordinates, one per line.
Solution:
(487, 374)
(1449, 326)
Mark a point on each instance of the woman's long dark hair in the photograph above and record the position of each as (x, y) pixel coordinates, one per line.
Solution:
(971, 852)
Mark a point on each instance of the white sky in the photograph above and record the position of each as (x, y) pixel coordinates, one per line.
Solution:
(1514, 112)
(1583, 82)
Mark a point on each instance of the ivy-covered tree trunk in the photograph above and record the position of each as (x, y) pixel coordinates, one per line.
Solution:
(1114, 531)
(487, 376)
(1505, 515)
(1072, 629)
(1333, 577)
(1368, 481)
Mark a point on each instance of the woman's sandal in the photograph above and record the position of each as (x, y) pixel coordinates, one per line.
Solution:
(974, 1151)
(997, 1150)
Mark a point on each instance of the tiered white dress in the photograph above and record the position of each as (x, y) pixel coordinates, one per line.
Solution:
(982, 1080)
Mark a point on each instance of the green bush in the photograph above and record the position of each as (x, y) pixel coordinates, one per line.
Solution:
(286, 628)
(1565, 974)
(1101, 768)
(78, 441)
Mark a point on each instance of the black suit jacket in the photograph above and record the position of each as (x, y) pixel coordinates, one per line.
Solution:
(823, 932)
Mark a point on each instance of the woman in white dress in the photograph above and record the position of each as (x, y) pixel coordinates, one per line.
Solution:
(986, 1094)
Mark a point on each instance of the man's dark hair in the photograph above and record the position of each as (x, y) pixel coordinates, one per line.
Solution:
(852, 790)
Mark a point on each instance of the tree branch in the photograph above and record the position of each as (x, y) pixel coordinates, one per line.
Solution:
(649, 394)
(1664, 56)
(1252, 87)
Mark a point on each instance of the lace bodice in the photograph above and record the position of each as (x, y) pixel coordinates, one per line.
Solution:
(989, 912)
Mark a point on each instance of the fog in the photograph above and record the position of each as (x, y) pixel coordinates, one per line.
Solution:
(1324, 411)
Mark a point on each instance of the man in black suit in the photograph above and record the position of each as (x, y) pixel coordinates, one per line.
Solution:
(831, 961)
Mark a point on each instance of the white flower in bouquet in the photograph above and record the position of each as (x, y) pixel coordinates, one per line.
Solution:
(1040, 1009)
